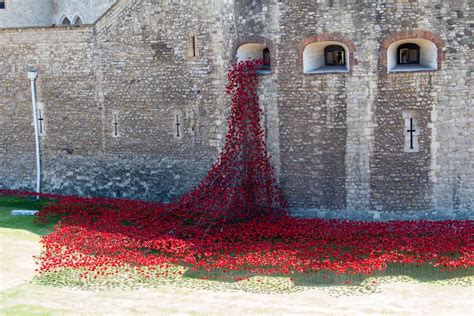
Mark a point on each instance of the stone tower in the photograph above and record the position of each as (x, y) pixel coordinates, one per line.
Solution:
(367, 105)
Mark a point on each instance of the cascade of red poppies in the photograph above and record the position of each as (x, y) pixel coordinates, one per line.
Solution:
(242, 184)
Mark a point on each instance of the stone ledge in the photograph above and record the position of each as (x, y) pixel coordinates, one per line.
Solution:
(328, 70)
(24, 213)
(377, 216)
(411, 68)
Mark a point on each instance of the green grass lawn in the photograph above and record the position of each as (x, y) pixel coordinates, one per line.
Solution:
(7, 204)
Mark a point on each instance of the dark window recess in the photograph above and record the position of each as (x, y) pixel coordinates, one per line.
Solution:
(178, 124)
(193, 44)
(78, 21)
(66, 21)
(115, 125)
(411, 131)
(266, 60)
(408, 54)
(334, 55)
(2, 5)
(40, 121)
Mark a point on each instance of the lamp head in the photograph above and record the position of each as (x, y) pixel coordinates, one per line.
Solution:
(32, 75)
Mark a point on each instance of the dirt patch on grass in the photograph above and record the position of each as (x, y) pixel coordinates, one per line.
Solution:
(17, 265)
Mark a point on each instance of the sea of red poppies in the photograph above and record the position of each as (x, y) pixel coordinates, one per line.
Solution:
(96, 234)
(236, 220)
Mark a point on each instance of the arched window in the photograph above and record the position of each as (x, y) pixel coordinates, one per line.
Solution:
(66, 21)
(334, 55)
(78, 21)
(414, 54)
(266, 59)
(325, 57)
(408, 54)
(256, 51)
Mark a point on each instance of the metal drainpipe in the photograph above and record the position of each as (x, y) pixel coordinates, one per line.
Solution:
(32, 76)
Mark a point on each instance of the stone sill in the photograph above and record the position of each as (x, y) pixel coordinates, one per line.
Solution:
(382, 216)
(47, 28)
(264, 72)
(24, 213)
(328, 70)
(411, 68)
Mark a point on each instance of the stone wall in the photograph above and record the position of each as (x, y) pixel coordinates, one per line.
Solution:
(132, 111)
(63, 59)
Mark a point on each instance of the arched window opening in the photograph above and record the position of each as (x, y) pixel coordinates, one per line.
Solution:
(66, 21)
(78, 21)
(408, 54)
(325, 57)
(335, 55)
(256, 51)
(193, 46)
(266, 60)
(412, 55)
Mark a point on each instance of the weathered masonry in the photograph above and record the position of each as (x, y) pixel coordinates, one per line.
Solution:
(368, 108)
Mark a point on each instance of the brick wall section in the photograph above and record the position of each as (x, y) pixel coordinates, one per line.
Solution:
(336, 139)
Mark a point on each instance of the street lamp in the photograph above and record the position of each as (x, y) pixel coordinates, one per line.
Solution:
(32, 75)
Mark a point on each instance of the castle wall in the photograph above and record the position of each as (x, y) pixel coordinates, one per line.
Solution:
(129, 73)
(24, 13)
(358, 133)
(132, 111)
(66, 93)
(151, 84)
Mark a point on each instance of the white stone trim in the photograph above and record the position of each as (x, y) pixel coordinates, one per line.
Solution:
(41, 109)
(193, 45)
(407, 115)
(250, 51)
(63, 17)
(24, 213)
(175, 128)
(115, 120)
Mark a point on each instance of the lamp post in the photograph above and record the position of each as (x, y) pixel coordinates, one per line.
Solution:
(32, 76)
